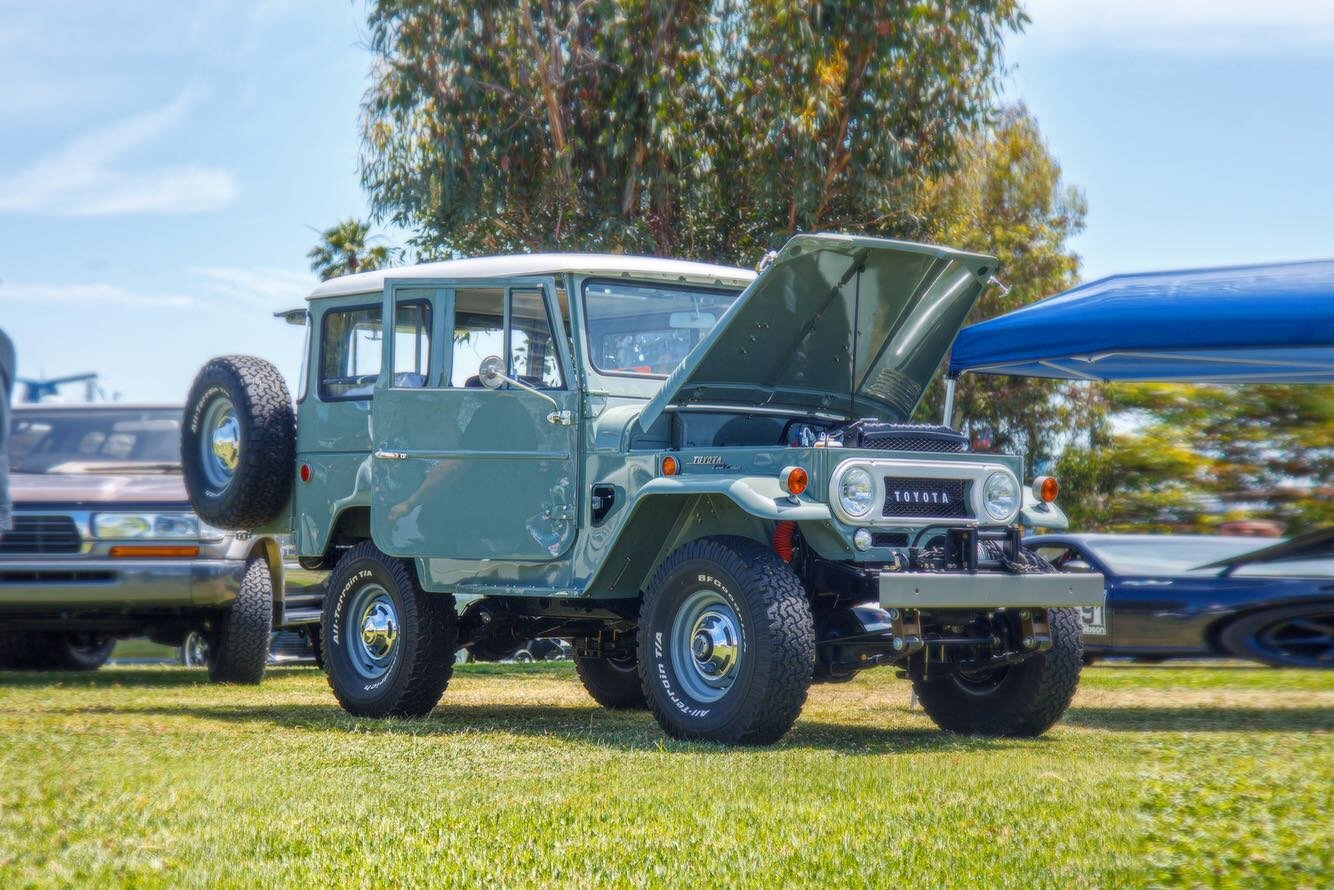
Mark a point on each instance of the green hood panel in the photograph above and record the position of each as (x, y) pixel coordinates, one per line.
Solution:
(788, 340)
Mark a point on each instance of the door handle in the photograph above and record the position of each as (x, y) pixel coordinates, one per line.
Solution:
(392, 455)
(561, 418)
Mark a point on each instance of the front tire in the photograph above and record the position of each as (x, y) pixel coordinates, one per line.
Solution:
(726, 643)
(1022, 700)
(82, 651)
(239, 649)
(612, 682)
(388, 644)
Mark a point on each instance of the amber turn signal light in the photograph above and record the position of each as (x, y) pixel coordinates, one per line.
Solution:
(1045, 488)
(670, 466)
(794, 480)
(154, 551)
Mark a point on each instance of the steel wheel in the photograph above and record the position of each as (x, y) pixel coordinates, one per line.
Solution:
(220, 443)
(706, 645)
(375, 630)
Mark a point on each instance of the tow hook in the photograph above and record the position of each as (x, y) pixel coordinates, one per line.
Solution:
(1034, 632)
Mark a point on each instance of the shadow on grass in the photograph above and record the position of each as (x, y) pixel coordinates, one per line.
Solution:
(1203, 719)
(145, 677)
(591, 725)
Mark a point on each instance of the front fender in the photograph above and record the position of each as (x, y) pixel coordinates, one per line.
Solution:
(669, 511)
(760, 496)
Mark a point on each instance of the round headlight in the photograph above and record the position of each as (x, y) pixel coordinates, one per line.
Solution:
(856, 489)
(1000, 496)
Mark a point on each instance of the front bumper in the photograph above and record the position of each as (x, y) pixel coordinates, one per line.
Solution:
(119, 584)
(986, 590)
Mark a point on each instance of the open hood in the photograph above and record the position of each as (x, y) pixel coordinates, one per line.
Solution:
(836, 325)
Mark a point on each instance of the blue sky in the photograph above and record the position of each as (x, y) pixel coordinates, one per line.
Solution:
(163, 164)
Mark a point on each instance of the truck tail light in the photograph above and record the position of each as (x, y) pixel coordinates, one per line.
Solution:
(670, 466)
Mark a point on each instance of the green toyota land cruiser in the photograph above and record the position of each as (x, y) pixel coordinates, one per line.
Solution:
(701, 477)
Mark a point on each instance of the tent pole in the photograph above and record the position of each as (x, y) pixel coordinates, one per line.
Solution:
(949, 401)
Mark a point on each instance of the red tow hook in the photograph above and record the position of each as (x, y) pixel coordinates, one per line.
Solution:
(783, 532)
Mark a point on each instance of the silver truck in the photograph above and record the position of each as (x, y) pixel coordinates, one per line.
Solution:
(104, 544)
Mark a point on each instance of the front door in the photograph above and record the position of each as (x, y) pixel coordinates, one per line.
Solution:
(462, 470)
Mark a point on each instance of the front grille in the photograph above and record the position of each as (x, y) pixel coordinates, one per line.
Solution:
(918, 498)
(38, 535)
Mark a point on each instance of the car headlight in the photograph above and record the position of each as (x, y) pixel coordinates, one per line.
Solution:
(177, 526)
(1000, 496)
(856, 490)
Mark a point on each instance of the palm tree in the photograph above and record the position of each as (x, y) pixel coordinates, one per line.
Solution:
(342, 250)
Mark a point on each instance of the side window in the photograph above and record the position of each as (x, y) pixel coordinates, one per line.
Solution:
(350, 351)
(412, 344)
(533, 356)
(479, 331)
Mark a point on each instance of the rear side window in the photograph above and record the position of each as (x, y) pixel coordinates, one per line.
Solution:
(350, 353)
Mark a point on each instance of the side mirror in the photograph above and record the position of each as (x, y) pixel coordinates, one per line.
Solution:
(491, 372)
(1078, 566)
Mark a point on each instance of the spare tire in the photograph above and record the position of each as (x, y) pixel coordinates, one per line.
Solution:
(238, 442)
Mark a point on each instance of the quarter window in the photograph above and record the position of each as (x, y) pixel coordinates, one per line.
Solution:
(350, 353)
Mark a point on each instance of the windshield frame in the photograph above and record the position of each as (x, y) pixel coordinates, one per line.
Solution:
(587, 320)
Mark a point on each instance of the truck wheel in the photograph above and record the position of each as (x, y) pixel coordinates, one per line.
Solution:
(726, 643)
(238, 442)
(194, 650)
(388, 644)
(82, 651)
(614, 683)
(239, 649)
(1023, 699)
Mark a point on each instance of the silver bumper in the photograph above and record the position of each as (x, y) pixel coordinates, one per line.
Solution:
(989, 591)
(118, 583)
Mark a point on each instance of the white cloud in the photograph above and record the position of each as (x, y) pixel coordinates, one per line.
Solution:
(86, 177)
(90, 295)
(1225, 26)
(267, 288)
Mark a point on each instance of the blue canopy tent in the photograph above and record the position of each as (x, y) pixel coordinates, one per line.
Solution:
(1242, 324)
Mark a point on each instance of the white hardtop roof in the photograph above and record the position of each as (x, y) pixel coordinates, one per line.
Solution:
(516, 265)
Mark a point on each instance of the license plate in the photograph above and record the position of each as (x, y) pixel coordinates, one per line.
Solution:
(1093, 619)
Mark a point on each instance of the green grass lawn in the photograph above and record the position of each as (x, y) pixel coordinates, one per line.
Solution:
(1166, 775)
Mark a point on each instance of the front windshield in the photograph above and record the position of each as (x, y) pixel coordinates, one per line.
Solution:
(647, 329)
(81, 440)
(1171, 554)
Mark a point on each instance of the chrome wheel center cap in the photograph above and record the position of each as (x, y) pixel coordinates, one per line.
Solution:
(226, 443)
(379, 630)
(714, 645)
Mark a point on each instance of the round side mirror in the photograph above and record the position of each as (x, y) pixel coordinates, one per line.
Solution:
(491, 372)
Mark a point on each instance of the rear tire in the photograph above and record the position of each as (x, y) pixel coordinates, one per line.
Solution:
(726, 643)
(1296, 636)
(239, 649)
(613, 683)
(388, 644)
(238, 442)
(1021, 700)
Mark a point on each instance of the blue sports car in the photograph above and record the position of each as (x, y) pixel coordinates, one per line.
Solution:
(1172, 596)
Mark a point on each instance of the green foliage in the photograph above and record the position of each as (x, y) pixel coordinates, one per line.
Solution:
(343, 250)
(1008, 199)
(712, 129)
(1196, 456)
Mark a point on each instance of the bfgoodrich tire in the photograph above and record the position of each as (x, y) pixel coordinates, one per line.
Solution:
(238, 649)
(1023, 699)
(388, 644)
(613, 683)
(238, 442)
(726, 643)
